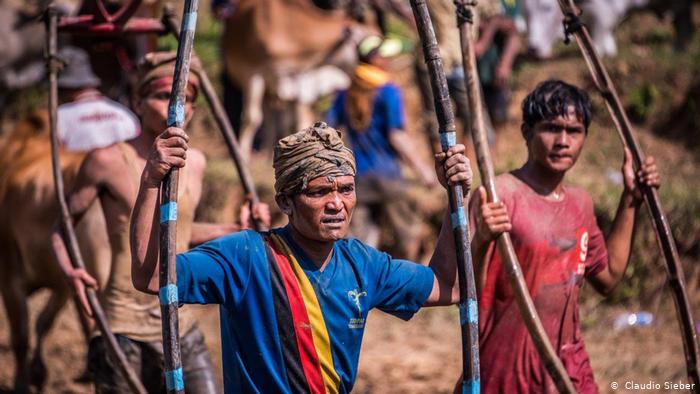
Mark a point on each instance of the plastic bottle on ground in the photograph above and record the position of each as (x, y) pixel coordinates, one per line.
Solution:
(638, 319)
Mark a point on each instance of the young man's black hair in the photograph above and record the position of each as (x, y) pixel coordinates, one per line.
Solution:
(552, 98)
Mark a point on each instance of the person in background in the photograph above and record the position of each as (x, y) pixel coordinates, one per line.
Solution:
(87, 119)
(112, 175)
(496, 49)
(371, 113)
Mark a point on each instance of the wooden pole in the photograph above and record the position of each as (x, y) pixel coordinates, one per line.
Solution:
(222, 120)
(53, 64)
(505, 245)
(468, 309)
(664, 235)
(168, 210)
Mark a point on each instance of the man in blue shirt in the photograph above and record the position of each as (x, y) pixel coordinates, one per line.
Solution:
(294, 300)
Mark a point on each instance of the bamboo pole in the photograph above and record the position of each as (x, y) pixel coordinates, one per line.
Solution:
(664, 235)
(222, 120)
(505, 245)
(168, 210)
(468, 309)
(53, 64)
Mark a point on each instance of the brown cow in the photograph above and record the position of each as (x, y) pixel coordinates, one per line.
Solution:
(276, 49)
(29, 211)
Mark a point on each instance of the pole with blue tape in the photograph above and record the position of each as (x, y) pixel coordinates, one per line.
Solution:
(222, 120)
(174, 381)
(468, 310)
(477, 126)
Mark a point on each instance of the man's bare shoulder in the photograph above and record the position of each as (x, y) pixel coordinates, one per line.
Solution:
(101, 157)
(101, 162)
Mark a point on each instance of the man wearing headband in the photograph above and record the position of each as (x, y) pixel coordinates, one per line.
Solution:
(294, 300)
(113, 174)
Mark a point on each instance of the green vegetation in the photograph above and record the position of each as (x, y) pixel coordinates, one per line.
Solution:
(653, 81)
(206, 44)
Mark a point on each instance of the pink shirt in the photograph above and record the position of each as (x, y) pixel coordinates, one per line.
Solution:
(558, 244)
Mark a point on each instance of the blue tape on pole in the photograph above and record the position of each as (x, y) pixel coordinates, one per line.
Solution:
(472, 311)
(176, 114)
(168, 294)
(180, 113)
(189, 21)
(458, 218)
(463, 313)
(174, 381)
(468, 312)
(168, 212)
(172, 116)
(448, 140)
(472, 386)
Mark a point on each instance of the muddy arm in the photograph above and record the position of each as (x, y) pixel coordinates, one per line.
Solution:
(453, 166)
(79, 200)
(619, 240)
(168, 151)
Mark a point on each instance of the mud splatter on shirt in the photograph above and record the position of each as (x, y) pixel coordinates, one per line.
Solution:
(558, 244)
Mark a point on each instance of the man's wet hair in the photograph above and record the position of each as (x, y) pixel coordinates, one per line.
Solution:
(552, 98)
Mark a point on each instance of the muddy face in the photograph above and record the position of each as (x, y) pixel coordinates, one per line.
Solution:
(323, 210)
(555, 144)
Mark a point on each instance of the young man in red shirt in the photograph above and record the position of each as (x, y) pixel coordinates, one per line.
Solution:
(557, 241)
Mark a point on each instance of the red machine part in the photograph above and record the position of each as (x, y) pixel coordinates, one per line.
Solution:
(105, 23)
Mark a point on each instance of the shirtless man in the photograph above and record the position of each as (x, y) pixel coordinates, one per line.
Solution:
(113, 175)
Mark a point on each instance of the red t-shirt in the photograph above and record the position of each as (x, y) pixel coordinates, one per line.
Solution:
(558, 243)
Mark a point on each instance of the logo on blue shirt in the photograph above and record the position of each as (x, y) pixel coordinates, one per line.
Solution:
(357, 322)
(355, 296)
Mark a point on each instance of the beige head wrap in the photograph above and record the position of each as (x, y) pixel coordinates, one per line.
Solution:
(308, 154)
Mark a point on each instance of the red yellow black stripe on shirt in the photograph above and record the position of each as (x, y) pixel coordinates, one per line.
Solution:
(306, 346)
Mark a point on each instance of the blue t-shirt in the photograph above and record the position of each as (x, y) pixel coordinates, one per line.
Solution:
(234, 271)
(373, 153)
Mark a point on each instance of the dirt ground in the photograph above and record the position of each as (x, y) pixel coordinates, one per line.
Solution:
(419, 356)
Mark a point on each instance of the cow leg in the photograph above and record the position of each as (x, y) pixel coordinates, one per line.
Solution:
(252, 113)
(304, 115)
(272, 125)
(233, 102)
(43, 325)
(602, 23)
(683, 23)
(15, 299)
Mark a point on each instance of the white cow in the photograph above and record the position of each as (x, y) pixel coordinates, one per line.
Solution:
(544, 23)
